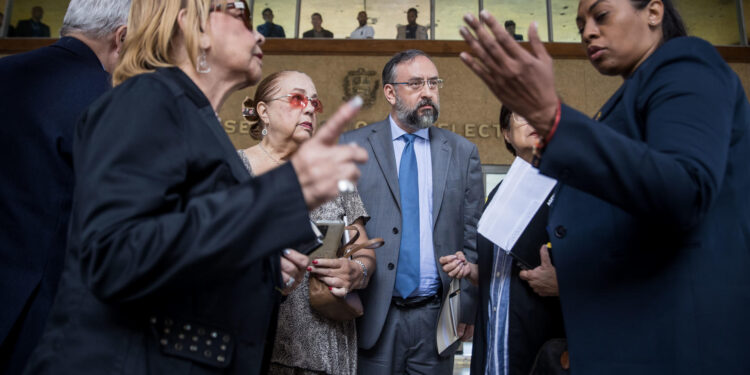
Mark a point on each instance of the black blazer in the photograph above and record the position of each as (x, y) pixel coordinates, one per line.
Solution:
(43, 93)
(651, 227)
(532, 319)
(174, 249)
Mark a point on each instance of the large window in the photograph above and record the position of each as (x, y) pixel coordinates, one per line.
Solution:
(284, 14)
(716, 20)
(522, 13)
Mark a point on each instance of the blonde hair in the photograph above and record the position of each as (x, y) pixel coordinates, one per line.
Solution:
(152, 28)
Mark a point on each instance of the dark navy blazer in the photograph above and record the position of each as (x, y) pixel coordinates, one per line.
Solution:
(651, 228)
(43, 93)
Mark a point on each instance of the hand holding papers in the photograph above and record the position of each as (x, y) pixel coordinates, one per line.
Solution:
(447, 330)
(517, 201)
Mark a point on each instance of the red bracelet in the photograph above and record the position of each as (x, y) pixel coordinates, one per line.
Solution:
(539, 147)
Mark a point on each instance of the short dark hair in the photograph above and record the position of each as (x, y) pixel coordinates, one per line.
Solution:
(266, 10)
(412, 10)
(317, 14)
(672, 25)
(505, 114)
(509, 23)
(389, 71)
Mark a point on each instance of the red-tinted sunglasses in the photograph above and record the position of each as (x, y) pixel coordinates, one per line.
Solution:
(300, 101)
(240, 5)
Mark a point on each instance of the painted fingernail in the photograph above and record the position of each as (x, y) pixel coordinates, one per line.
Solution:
(330, 288)
(309, 269)
(484, 13)
(356, 102)
(315, 261)
(286, 251)
(469, 17)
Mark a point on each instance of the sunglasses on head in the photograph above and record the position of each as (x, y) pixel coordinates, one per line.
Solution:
(300, 101)
(240, 5)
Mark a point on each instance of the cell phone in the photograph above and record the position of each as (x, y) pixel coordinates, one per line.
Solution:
(332, 231)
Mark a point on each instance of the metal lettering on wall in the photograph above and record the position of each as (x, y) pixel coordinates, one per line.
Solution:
(362, 83)
(468, 130)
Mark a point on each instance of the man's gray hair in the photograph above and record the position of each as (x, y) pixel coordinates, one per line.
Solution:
(95, 18)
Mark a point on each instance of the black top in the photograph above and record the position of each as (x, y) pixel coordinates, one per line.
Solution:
(169, 236)
(323, 33)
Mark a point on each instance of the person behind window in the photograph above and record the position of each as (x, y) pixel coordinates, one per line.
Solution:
(270, 29)
(317, 31)
(177, 258)
(363, 31)
(510, 27)
(650, 226)
(285, 113)
(411, 30)
(33, 27)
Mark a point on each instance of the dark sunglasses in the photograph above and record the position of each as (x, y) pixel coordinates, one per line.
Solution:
(240, 5)
(300, 101)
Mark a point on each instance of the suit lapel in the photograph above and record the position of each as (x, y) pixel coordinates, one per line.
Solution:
(610, 104)
(233, 159)
(382, 148)
(441, 156)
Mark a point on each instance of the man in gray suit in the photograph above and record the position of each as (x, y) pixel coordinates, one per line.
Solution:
(422, 186)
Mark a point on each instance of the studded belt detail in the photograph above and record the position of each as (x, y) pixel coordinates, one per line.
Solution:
(198, 343)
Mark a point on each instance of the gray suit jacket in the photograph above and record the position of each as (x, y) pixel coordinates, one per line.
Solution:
(458, 195)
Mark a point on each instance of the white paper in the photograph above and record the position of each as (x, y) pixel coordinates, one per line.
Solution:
(447, 330)
(516, 202)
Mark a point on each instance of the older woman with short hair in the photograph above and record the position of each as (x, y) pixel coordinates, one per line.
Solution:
(284, 112)
(177, 259)
(650, 227)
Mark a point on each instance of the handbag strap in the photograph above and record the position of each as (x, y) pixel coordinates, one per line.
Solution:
(350, 248)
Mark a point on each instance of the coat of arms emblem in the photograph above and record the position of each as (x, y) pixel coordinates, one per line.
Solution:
(362, 83)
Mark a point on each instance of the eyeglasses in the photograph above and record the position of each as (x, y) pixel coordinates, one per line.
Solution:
(519, 120)
(241, 5)
(300, 101)
(417, 84)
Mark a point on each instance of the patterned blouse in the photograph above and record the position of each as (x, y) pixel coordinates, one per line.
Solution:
(306, 342)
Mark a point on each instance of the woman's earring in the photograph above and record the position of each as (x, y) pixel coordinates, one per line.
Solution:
(264, 132)
(203, 63)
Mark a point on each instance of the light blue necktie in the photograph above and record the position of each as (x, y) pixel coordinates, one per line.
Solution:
(407, 273)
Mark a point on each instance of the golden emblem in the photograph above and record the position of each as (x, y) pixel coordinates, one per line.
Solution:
(362, 83)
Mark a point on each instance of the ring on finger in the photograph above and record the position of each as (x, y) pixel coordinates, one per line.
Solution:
(289, 283)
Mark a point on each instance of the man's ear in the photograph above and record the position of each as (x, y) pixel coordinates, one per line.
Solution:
(390, 93)
(119, 39)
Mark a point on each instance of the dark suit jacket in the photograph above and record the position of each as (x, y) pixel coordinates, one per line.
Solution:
(271, 30)
(456, 204)
(651, 229)
(174, 249)
(311, 33)
(44, 92)
(26, 28)
(532, 320)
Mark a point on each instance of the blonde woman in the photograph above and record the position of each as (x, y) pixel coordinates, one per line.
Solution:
(176, 258)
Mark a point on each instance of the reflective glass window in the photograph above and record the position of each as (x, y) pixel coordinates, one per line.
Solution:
(284, 12)
(564, 13)
(386, 15)
(338, 19)
(522, 13)
(714, 21)
(52, 13)
(449, 16)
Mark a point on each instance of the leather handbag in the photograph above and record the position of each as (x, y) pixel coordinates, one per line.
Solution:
(325, 302)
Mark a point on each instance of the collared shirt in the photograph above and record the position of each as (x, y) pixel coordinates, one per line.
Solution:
(429, 280)
(271, 30)
(363, 32)
(497, 324)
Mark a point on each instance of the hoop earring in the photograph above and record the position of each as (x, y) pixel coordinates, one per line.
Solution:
(203, 63)
(264, 132)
